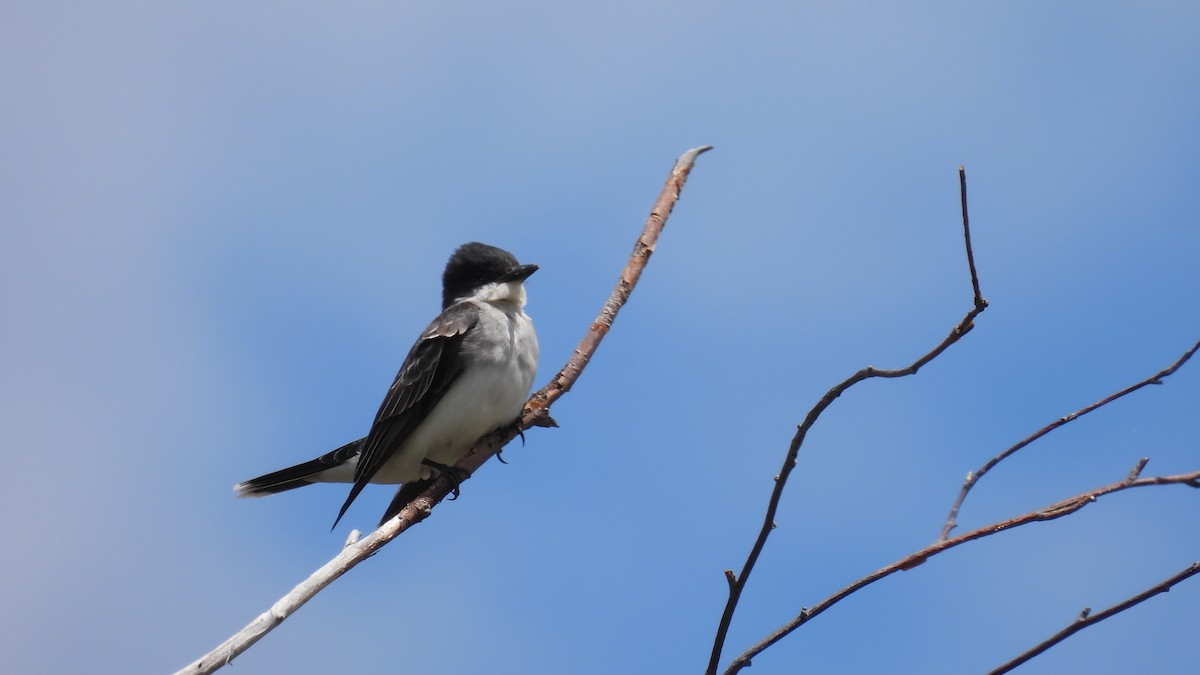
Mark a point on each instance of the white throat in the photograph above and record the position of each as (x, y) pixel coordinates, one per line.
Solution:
(512, 292)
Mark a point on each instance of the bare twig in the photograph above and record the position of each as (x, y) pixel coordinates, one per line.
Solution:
(561, 383)
(1086, 618)
(738, 583)
(962, 191)
(1051, 512)
(974, 476)
(536, 413)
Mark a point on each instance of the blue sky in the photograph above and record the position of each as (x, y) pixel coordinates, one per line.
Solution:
(224, 223)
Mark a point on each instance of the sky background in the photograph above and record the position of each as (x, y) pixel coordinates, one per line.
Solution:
(223, 224)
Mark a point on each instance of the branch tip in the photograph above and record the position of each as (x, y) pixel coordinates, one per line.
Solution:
(1137, 470)
(688, 159)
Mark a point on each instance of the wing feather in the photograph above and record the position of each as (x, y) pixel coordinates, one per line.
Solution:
(431, 366)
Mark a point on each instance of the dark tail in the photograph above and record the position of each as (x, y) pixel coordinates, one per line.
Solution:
(296, 476)
(404, 495)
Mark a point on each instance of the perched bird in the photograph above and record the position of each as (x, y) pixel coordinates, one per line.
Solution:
(468, 374)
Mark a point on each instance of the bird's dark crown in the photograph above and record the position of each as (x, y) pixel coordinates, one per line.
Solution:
(474, 265)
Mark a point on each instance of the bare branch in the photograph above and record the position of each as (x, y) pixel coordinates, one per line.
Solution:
(536, 413)
(962, 191)
(974, 476)
(642, 249)
(1051, 512)
(1086, 618)
(737, 584)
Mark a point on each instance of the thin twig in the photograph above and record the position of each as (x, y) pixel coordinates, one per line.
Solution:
(1086, 618)
(536, 413)
(562, 382)
(962, 191)
(974, 476)
(738, 583)
(1051, 512)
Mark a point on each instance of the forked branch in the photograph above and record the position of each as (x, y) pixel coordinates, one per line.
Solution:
(1051, 512)
(974, 476)
(737, 583)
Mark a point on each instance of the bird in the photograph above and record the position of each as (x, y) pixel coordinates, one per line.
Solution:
(469, 373)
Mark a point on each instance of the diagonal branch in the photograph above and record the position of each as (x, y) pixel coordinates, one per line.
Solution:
(562, 382)
(1086, 618)
(1051, 512)
(737, 583)
(974, 476)
(536, 413)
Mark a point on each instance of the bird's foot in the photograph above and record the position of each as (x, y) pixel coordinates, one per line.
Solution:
(455, 474)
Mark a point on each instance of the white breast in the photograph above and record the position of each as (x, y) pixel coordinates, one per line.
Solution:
(502, 354)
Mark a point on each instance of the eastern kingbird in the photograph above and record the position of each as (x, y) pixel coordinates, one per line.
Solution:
(468, 374)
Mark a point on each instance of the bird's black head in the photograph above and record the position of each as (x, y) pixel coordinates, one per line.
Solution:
(474, 265)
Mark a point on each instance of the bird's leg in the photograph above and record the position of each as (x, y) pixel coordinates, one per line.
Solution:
(455, 474)
(520, 432)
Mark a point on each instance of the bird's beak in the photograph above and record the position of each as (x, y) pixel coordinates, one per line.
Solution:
(520, 272)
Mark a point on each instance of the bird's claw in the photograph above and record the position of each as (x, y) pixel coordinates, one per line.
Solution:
(453, 473)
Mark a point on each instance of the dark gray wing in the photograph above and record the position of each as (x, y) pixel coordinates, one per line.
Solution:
(430, 368)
